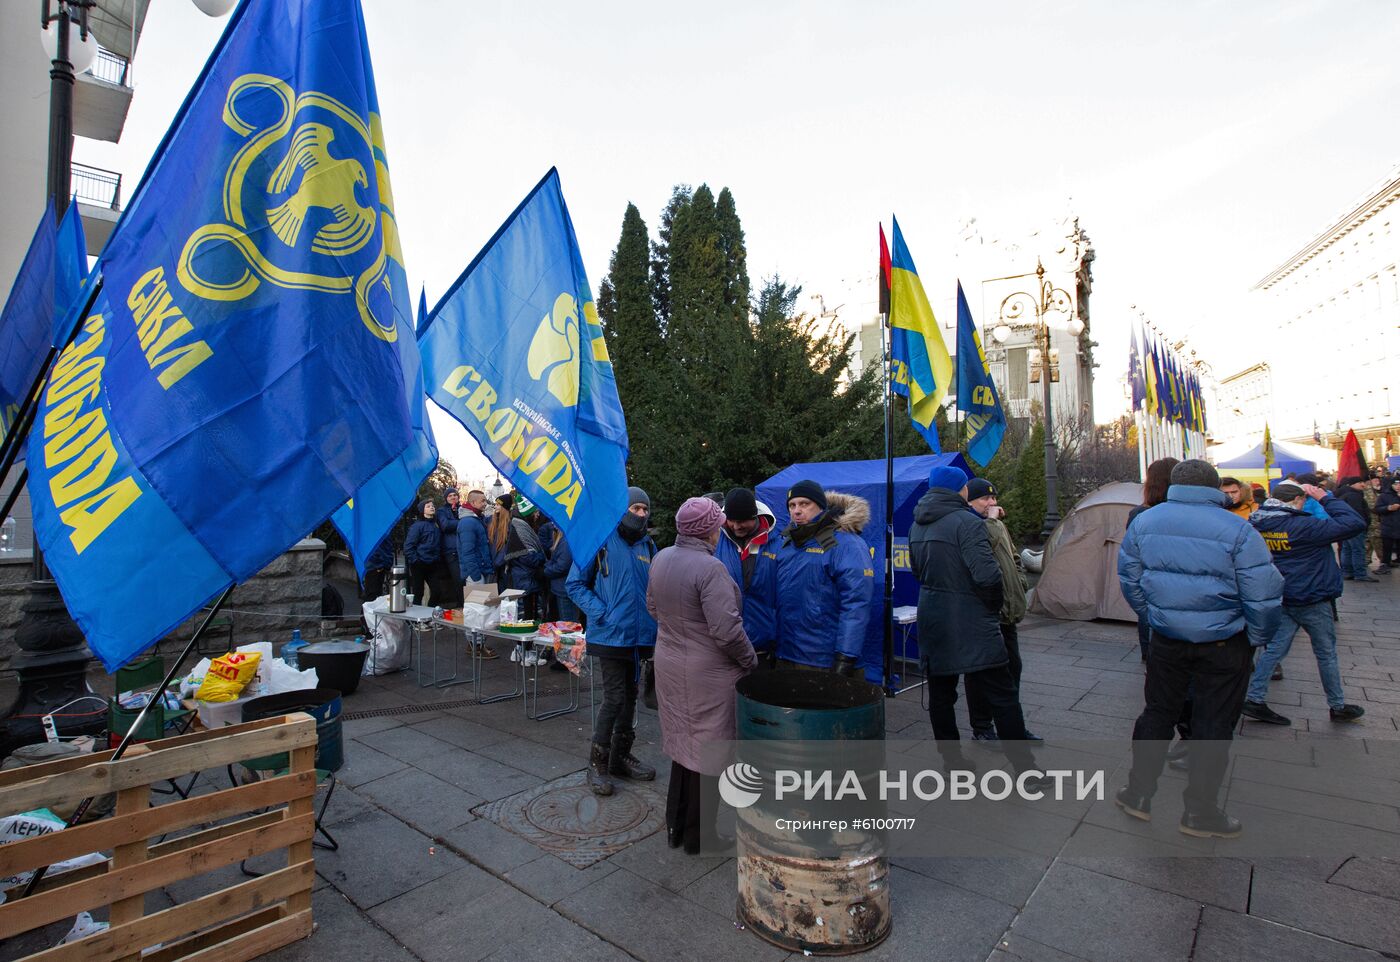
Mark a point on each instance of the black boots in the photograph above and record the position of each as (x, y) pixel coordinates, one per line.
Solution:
(598, 779)
(616, 760)
(1214, 824)
(623, 763)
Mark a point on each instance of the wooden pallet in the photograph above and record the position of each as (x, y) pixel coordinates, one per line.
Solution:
(235, 923)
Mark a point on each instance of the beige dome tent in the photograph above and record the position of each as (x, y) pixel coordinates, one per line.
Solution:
(1080, 579)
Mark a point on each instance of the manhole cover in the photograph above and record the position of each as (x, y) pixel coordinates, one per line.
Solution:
(567, 820)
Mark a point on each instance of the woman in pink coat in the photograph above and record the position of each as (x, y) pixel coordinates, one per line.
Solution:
(701, 651)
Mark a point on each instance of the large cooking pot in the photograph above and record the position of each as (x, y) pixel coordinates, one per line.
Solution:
(338, 663)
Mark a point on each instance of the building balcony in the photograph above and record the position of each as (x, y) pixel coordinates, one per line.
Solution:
(98, 193)
(102, 97)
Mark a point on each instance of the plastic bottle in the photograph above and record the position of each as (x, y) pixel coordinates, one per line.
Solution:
(7, 535)
(289, 650)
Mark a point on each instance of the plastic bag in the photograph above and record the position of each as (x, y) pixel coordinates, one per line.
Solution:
(228, 675)
(83, 926)
(567, 641)
(390, 643)
(283, 677)
(15, 828)
(482, 617)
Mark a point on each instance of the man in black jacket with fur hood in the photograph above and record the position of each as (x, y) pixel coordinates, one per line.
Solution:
(960, 597)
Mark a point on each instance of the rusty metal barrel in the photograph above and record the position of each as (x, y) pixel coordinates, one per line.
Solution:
(828, 893)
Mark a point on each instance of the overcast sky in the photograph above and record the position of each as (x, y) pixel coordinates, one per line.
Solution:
(1201, 143)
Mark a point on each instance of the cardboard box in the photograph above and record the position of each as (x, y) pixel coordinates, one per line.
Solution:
(485, 595)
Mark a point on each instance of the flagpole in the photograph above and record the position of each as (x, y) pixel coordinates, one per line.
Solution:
(1141, 445)
(889, 506)
(135, 726)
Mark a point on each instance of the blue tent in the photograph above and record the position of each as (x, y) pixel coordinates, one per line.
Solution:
(866, 479)
(1286, 460)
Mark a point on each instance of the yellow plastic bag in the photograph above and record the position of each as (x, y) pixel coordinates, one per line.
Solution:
(228, 675)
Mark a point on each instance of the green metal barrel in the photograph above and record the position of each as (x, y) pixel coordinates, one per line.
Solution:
(825, 904)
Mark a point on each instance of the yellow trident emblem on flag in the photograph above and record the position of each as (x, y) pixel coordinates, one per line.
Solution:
(311, 204)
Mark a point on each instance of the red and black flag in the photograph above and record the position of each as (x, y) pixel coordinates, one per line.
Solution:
(884, 273)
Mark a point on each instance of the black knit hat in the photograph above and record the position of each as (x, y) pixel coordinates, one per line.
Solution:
(739, 505)
(980, 488)
(810, 490)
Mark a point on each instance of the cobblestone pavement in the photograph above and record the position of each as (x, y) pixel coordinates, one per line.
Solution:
(423, 873)
(420, 876)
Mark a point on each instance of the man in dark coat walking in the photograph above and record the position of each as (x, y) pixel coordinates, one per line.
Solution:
(1356, 564)
(960, 597)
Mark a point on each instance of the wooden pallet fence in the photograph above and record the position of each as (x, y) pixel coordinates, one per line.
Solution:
(232, 924)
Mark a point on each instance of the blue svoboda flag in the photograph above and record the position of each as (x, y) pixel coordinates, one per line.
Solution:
(42, 298)
(977, 395)
(922, 368)
(381, 502)
(246, 367)
(515, 352)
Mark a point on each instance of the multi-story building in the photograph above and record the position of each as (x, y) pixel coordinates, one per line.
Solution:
(1332, 310)
(1243, 404)
(101, 98)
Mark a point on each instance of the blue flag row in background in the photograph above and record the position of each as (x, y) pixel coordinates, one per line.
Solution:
(1162, 384)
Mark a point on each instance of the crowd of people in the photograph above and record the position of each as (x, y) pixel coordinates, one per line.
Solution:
(1221, 575)
(732, 595)
(1220, 596)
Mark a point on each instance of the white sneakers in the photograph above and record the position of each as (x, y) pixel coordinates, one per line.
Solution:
(530, 658)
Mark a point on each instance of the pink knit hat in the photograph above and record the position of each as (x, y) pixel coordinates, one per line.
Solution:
(698, 517)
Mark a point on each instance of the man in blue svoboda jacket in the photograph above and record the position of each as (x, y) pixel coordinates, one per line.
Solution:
(1203, 580)
(611, 588)
(1302, 548)
(825, 579)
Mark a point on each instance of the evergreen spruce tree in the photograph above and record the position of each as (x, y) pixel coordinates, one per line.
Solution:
(700, 279)
(811, 410)
(722, 388)
(633, 336)
(1026, 513)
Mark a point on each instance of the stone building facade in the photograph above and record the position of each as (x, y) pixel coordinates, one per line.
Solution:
(284, 595)
(1332, 311)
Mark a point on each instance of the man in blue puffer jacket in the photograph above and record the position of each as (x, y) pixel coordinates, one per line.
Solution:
(1302, 548)
(746, 550)
(611, 588)
(474, 561)
(825, 579)
(1203, 580)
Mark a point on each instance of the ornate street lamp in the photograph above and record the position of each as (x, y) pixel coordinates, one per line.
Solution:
(1026, 311)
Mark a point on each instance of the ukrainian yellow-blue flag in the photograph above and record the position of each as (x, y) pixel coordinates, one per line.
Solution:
(923, 371)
